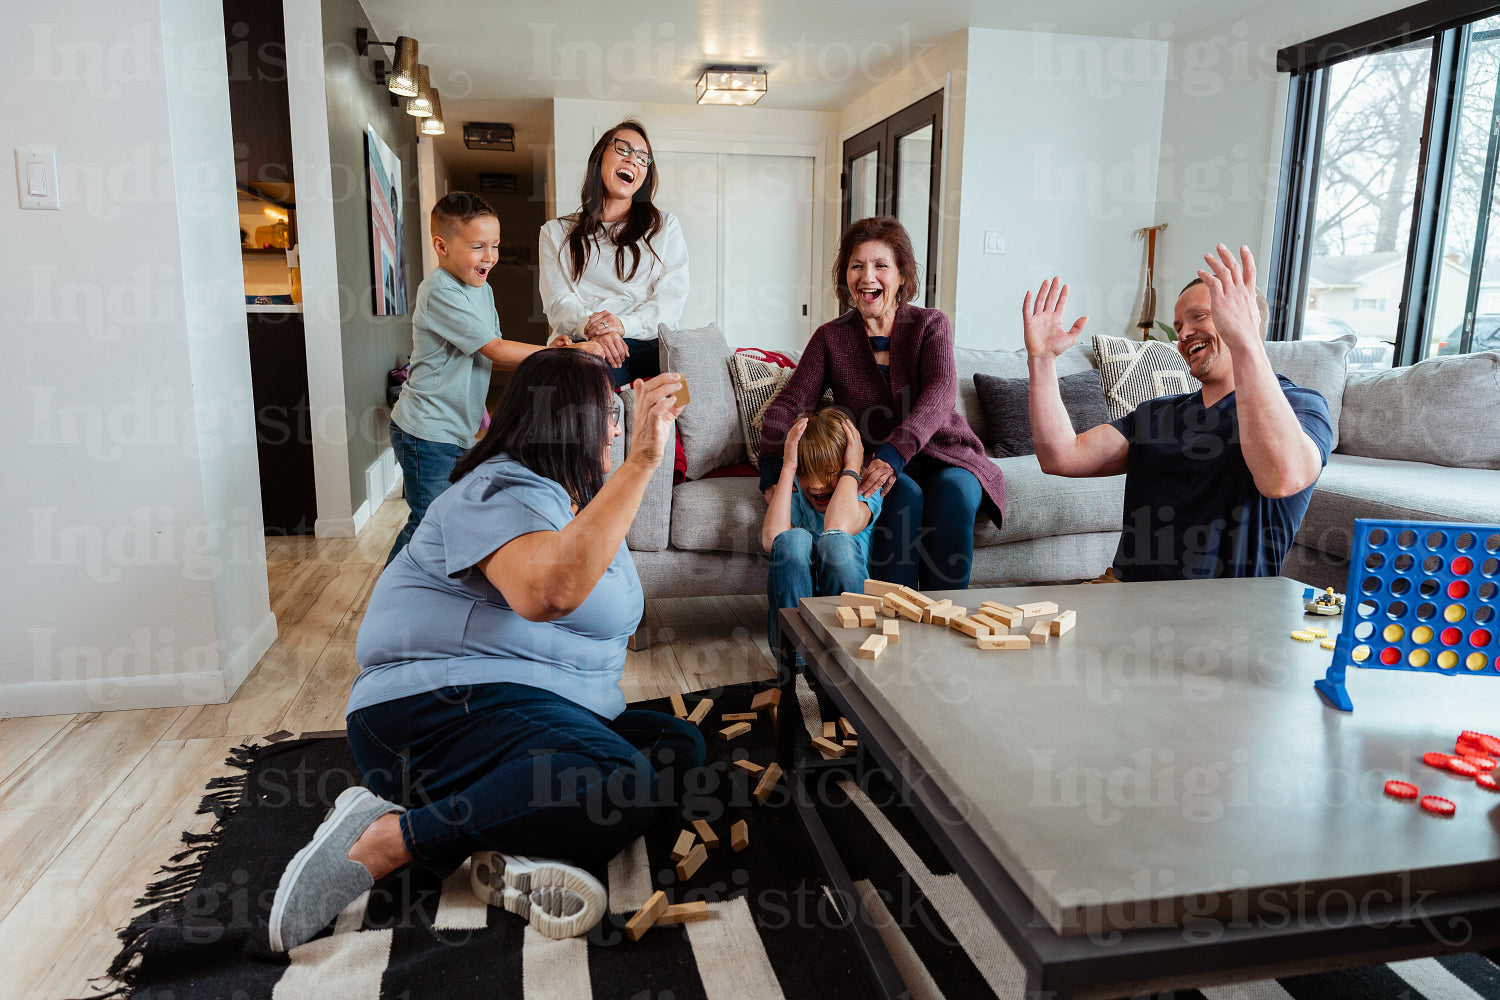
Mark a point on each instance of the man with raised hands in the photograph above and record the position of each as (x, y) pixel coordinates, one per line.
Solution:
(1216, 481)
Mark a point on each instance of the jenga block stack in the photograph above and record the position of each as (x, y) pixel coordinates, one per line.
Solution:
(645, 918)
(1064, 622)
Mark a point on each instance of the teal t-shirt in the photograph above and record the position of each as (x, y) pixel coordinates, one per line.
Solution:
(435, 621)
(806, 517)
(443, 398)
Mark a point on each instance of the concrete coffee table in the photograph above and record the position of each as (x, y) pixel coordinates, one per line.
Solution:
(1159, 798)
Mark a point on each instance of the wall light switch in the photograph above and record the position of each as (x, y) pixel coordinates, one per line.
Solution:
(994, 241)
(36, 178)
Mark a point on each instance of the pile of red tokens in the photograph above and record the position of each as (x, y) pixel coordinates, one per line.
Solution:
(1475, 755)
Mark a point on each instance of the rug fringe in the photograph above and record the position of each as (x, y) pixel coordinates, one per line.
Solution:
(161, 901)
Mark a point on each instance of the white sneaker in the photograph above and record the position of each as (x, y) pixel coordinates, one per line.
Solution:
(558, 899)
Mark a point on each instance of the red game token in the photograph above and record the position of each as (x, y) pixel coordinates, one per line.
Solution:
(1401, 789)
(1481, 762)
(1488, 781)
(1438, 804)
(1490, 743)
(1434, 759)
(1460, 766)
(1468, 748)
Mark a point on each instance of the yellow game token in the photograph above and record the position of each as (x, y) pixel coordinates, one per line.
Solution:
(1327, 644)
(1314, 630)
(1302, 636)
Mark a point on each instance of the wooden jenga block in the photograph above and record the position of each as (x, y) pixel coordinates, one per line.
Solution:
(690, 864)
(866, 617)
(916, 597)
(679, 708)
(830, 730)
(931, 609)
(645, 918)
(1038, 608)
(848, 617)
(969, 627)
(945, 616)
(739, 717)
(989, 621)
(849, 599)
(706, 833)
(996, 605)
(1064, 622)
(829, 747)
(879, 588)
(872, 647)
(768, 782)
(681, 913)
(1039, 632)
(766, 699)
(1004, 642)
(732, 732)
(748, 766)
(700, 711)
(739, 836)
(850, 744)
(891, 629)
(905, 608)
(846, 728)
(684, 845)
(1009, 617)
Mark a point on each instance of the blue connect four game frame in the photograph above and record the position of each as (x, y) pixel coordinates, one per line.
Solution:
(1422, 596)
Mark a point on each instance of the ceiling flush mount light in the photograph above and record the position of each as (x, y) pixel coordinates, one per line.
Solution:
(731, 85)
(403, 76)
(490, 135)
(433, 123)
(421, 105)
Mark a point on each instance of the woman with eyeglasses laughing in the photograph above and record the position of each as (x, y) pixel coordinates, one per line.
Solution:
(618, 267)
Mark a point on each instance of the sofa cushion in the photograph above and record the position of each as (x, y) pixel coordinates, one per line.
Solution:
(1315, 364)
(1038, 505)
(755, 384)
(708, 427)
(1006, 405)
(1353, 486)
(718, 515)
(968, 362)
(1440, 411)
(1135, 371)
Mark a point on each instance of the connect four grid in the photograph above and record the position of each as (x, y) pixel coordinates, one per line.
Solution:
(1422, 595)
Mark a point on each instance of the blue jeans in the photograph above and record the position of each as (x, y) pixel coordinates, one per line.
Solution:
(507, 767)
(644, 361)
(924, 537)
(802, 566)
(425, 468)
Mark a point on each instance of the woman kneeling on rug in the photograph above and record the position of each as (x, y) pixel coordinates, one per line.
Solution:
(486, 718)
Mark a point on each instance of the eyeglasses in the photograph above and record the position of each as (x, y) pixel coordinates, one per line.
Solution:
(639, 155)
(617, 412)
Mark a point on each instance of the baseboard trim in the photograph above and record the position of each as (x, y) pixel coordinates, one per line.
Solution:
(334, 527)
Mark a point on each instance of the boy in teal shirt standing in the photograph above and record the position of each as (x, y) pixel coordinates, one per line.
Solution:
(456, 340)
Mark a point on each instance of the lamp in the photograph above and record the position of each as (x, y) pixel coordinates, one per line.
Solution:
(490, 135)
(403, 76)
(433, 123)
(421, 105)
(731, 85)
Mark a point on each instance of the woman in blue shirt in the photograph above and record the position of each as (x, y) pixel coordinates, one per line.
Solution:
(487, 717)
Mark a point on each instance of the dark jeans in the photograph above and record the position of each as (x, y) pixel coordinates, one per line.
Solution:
(924, 537)
(425, 468)
(507, 767)
(644, 361)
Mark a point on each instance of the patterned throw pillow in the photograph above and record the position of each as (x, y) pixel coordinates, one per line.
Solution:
(1135, 371)
(756, 383)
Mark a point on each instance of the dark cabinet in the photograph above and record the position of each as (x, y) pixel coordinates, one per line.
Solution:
(283, 422)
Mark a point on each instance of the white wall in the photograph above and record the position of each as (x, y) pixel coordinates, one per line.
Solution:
(1222, 125)
(134, 570)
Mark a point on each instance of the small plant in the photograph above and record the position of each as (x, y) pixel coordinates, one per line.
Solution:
(1168, 334)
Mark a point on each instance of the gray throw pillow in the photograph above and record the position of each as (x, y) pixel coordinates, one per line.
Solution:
(1315, 364)
(1008, 418)
(1440, 411)
(709, 426)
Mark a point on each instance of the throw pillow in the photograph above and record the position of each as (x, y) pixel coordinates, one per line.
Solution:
(755, 383)
(707, 428)
(1005, 402)
(1440, 411)
(1315, 364)
(1135, 371)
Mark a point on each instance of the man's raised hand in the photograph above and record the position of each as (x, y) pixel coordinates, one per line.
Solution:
(1043, 321)
(1231, 294)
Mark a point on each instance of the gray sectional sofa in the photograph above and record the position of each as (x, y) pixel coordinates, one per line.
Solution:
(1418, 443)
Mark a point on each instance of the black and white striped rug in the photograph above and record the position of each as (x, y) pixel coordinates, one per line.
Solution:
(774, 932)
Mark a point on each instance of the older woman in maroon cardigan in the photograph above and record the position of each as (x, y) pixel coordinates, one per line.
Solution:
(891, 365)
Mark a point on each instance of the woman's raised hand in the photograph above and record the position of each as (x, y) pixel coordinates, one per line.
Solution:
(655, 410)
(1043, 321)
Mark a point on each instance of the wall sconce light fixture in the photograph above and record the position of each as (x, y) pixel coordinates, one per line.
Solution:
(420, 106)
(402, 80)
(433, 123)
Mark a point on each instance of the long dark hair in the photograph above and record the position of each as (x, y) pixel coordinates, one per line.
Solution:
(642, 222)
(876, 229)
(553, 418)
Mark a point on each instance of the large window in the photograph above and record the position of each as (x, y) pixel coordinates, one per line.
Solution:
(1392, 142)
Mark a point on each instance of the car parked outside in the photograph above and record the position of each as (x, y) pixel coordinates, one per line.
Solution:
(1368, 354)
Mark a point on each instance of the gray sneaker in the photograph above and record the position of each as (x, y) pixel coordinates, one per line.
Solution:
(320, 880)
(560, 900)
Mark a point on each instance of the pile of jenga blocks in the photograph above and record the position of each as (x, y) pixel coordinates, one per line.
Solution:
(693, 844)
(989, 626)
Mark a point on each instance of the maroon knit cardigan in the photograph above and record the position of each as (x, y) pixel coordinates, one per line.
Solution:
(914, 413)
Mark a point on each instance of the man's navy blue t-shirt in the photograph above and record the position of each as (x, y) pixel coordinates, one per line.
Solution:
(1192, 511)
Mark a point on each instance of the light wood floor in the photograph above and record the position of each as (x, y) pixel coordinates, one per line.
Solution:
(91, 805)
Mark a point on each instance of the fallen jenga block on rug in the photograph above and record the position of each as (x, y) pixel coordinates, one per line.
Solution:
(706, 833)
(645, 918)
(684, 845)
(690, 864)
(846, 727)
(681, 913)
(739, 836)
(769, 698)
(679, 708)
(768, 782)
(700, 711)
(748, 766)
(734, 732)
(739, 717)
(828, 747)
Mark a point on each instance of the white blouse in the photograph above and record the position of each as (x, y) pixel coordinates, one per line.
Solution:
(656, 294)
